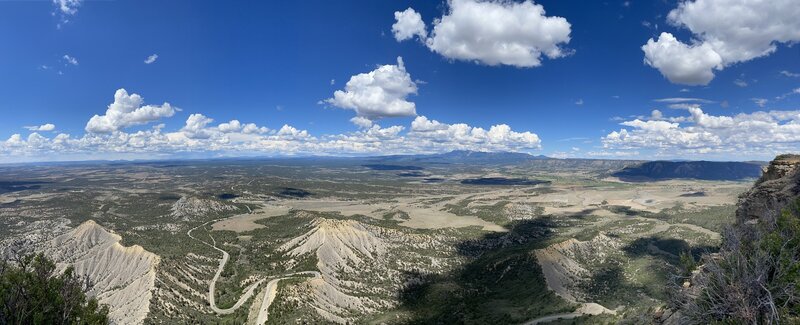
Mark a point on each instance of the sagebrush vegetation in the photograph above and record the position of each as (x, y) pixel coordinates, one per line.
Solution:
(754, 279)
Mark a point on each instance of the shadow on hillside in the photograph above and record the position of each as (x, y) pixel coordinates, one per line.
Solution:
(501, 283)
(667, 249)
(18, 186)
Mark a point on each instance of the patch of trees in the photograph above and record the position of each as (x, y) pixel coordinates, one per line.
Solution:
(32, 291)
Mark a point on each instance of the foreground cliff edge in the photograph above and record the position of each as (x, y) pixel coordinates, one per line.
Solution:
(755, 278)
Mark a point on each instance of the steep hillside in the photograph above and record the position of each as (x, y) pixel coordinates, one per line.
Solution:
(121, 277)
(360, 265)
(565, 264)
(703, 170)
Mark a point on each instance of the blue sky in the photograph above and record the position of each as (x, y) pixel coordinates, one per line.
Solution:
(279, 63)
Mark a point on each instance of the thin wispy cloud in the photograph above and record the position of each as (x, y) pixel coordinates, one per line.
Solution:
(43, 127)
(151, 59)
(683, 100)
(761, 102)
(790, 74)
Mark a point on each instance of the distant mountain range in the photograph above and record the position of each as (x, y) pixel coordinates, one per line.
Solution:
(464, 156)
(704, 170)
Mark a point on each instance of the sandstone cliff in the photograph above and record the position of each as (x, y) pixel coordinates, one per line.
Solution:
(778, 186)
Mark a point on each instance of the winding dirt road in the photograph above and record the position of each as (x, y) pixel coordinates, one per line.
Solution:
(213, 285)
(551, 318)
(272, 290)
(269, 293)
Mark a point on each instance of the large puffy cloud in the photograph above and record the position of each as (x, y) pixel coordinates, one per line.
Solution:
(493, 32)
(767, 133)
(408, 24)
(379, 93)
(726, 32)
(682, 63)
(126, 111)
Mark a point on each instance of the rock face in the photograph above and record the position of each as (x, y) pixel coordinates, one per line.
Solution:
(121, 277)
(777, 187)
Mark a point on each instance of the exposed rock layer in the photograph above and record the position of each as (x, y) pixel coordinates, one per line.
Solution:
(121, 277)
(777, 187)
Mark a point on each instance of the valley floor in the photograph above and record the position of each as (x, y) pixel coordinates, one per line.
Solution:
(331, 243)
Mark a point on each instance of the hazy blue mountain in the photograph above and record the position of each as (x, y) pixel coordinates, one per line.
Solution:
(704, 170)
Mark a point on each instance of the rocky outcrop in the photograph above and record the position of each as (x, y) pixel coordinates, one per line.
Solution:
(778, 186)
(188, 208)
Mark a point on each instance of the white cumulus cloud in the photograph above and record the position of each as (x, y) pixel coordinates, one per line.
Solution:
(491, 32)
(432, 134)
(107, 137)
(377, 94)
(125, 111)
(725, 32)
(408, 24)
(768, 133)
(362, 122)
(682, 63)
